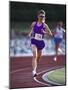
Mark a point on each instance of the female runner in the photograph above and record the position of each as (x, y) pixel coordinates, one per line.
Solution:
(38, 29)
(58, 37)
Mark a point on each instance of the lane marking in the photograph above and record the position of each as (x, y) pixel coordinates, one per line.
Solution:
(23, 69)
(15, 71)
(40, 82)
(50, 69)
(45, 77)
(46, 71)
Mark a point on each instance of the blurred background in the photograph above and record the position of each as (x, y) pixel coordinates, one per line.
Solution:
(22, 14)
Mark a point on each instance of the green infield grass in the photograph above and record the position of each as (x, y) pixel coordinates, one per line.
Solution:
(57, 76)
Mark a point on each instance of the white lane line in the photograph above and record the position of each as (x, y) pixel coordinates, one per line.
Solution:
(43, 72)
(38, 73)
(40, 82)
(23, 69)
(50, 69)
(45, 77)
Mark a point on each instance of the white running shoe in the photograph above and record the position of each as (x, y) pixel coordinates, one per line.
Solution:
(59, 50)
(55, 58)
(34, 73)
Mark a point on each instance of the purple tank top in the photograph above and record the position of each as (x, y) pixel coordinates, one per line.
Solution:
(38, 29)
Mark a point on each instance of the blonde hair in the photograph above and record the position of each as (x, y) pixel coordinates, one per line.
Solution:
(41, 12)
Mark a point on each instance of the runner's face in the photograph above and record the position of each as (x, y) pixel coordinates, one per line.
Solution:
(41, 17)
(61, 24)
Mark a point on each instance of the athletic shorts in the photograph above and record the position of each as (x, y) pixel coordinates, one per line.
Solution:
(57, 40)
(39, 44)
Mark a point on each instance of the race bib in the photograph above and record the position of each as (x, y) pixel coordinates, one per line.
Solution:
(38, 36)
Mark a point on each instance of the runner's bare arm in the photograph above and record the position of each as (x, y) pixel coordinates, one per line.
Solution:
(31, 29)
(47, 29)
(63, 30)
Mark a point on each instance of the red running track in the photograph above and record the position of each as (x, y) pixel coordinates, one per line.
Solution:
(21, 70)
